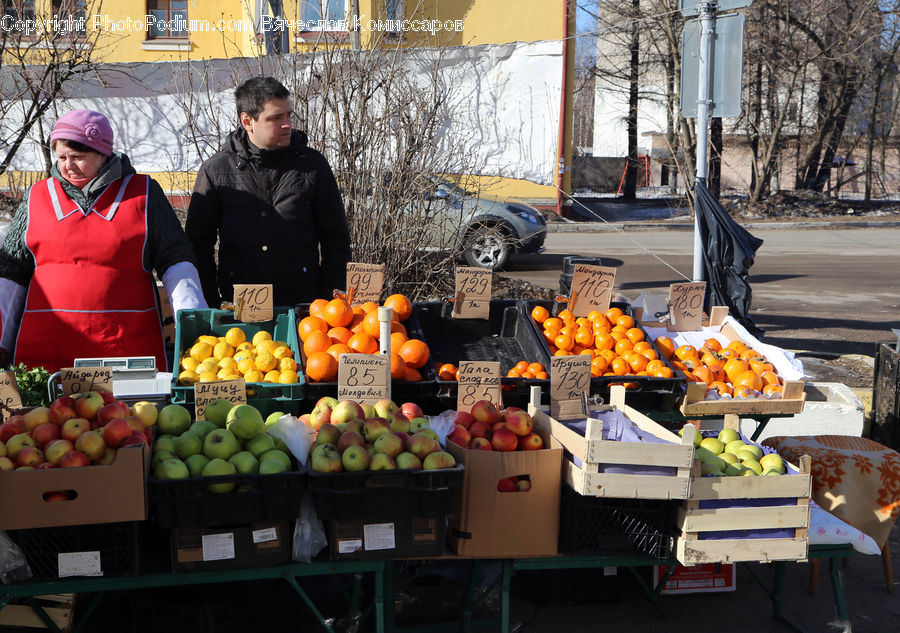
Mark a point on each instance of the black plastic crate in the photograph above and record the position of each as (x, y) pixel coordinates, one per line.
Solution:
(651, 394)
(387, 537)
(503, 337)
(231, 547)
(614, 526)
(116, 544)
(386, 493)
(886, 397)
(401, 390)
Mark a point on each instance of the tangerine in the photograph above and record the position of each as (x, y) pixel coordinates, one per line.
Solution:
(635, 335)
(584, 337)
(553, 323)
(613, 314)
(539, 313)
(620, 366)
(566, 316)
(564, 341)
(535, 368)
(521, 366)
(321, 366)
(513, 373)
(598, 366)
(622, 345)
(625, 321)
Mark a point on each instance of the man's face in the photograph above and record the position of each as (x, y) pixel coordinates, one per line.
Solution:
(272, 128)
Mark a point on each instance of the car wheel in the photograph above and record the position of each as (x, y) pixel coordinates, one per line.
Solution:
(487, 247)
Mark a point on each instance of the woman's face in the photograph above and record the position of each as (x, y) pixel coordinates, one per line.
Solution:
(79, 168)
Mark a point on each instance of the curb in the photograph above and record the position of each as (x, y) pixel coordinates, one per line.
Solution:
(650, 225)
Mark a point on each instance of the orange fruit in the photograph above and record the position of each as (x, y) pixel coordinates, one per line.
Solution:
(527, 374)
(414, 352)
(608, 354)
(625, 321)
(749, 379)
(398, 367)
(371, 325)
(321, 366)
(722, 387)
(513, 373)
(448, 371)
(734, 367)
(749, 353)
(618, 332)
(566, 316)
(604, 341)
(637, 362)
(662, 372)
(317, 307)
(598, 366)
(337, 349)
(542, 375)
(535, 368)
(337, 313)
(654, 364)
(587, 351)
(770, 378)
(362, 343)
(368, 306)
(564, 341)
(736, 345)
(401, 306)
(649, 354)
(562, 352)
(339, 334)
(666, 346)
(584, 337)
(686, 351)
(711, 359)
(773, 388)
(620, 366)
(412, 375)
(521, 366)
(622, 345)
(357, 310)
(635, 335)
(316, 342)
(553, 323)
(713, 344)
(539, 313)
(568, 330)
(398, 339)
(613, 313)
(761, 366)
(703, 374)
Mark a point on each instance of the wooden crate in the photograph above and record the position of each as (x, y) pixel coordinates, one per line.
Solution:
(595, 452)
(692, 520)
(22, 617)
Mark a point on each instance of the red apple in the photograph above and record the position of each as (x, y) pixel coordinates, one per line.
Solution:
(480, 444)
(509, 410)
(88, 404)
(62, 409)
(13, 426)
(71, 429)
(56, 449)
(136, 424)
(464, 418)
(109, 456)
(29, 456)
(108, 397)
(91, 444)
(504, 440)
(45, 433)
(7, 464)
(480, 429)
(74, 459)
(116, 432)
(45, 466)
(497, 425)
(486, 411)
(112, 411)
(18, 442)
(55, 496)
(519, 422)
(136, 437)
(531, 442)
(507, 484)
(411, 410)
(460, 435)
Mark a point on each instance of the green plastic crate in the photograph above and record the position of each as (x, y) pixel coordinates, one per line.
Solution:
(193, 323)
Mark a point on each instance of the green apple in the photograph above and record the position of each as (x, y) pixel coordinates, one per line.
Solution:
(275, 454)
(202, 427)
(756, 450)
(697, 436)
(745, 455)
(713, 445)
(730, 458)
(217, 411)
(706, 456)
(734, 470)
(728, 435)
(772, 461)
(171, 469)
(272, 418)
(220, 444)
(260, 444)
(164, 443)
(174, 419)
(708, 469)
(245, 421)
(188, 444)
(734, 446)
(753, 465)
(748, 472)
(271, 467)
(281, 446)
(161, 456)
(769, 472)
(245, 462)
(217, 467)
(196, 464)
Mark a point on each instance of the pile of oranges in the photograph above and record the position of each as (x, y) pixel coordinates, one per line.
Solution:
(232, 356)
(335, 327)
(522, 369)
(617, 347)
(734, 370)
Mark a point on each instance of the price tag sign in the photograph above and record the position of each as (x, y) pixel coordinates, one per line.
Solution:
(592, 288)
(686, 306)
(472, 299)
(253, 302)
(77, 380)
(570, 377)
(367, 281)
(478, 381)
(205, 392)
(9, 394)
(364, 378)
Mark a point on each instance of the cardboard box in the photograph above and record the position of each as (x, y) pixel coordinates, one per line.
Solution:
(98, 494)
(234, 547)
(387, 538)
(507, 524)
(708, 578)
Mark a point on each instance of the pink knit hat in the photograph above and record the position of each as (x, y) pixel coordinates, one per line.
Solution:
(86, 127)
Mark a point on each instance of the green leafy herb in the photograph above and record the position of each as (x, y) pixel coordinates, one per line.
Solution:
(32, 385)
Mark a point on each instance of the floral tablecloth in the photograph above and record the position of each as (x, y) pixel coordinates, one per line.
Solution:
(854, 478)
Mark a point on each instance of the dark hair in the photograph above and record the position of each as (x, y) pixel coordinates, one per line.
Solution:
(251, 96)
(78, 147)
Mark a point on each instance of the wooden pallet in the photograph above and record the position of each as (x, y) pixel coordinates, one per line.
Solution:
(594, 453)
(22, 617)
(692, 520)
(791, 401)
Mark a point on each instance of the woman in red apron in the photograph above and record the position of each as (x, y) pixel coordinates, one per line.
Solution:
(76, 267)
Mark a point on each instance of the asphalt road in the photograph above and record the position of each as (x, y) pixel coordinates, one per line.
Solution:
(832, 291)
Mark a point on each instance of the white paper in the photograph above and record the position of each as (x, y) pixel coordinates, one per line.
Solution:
(79, 564)
(349, 546)
(265, 535)
(218, 546)
(379, 536)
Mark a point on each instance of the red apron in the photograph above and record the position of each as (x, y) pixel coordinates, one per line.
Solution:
(90, 295)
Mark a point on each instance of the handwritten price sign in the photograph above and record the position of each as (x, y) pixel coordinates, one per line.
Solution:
(77, 380)
(9, 394)
(253, 302)
(367, 280)
(478, 381)
(234, 391)
(473, 293)
(686, 306)
(570, 379)
(364, 378)
(592, 288)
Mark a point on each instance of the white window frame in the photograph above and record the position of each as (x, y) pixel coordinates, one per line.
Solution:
(323, 11)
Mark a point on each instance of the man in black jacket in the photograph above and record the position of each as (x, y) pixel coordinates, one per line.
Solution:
(272, 203)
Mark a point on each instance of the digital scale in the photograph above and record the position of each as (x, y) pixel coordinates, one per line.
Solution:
(134, 377)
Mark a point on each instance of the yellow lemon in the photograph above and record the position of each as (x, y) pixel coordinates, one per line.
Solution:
(265, 361)
(187, 378)
(260, 336)
(222, 350)
(208, 338)
(208, 376)
(287, 364)
(266, 346)
(225, 374)
(244, 355)
(272, 376)
(281, 344)
(253, 375)
(228, 363)
(208, 365)
(246, 345)
(189, 363)
(246, 365)
(288, 376)
(235, 336)
(201, 351)
(282, 351)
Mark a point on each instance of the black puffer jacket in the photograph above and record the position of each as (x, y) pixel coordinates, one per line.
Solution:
(272, 212)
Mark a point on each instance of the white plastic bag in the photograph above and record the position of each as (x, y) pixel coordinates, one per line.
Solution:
(13, 566)
(442, 424)
(309, 533)
(298, 436)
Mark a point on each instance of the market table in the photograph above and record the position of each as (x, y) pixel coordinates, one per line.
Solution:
(290, 572)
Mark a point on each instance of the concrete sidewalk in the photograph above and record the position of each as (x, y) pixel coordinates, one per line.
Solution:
(679, 224)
